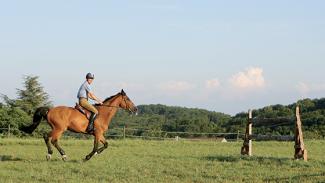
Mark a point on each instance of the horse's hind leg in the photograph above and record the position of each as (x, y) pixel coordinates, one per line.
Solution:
(48, 145)
(56, 134)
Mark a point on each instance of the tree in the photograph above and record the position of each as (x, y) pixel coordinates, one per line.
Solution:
(30, 97)
(14, 117)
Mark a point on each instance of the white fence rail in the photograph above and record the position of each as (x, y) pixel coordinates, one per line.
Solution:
(7, 130)
(166, 135)
(124, 132)
(152, 134)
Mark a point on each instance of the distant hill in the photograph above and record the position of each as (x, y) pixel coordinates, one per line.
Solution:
(167, 118)
(170, 118)
(157, 119)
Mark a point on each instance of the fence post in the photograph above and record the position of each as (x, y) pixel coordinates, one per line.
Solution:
(177, 138)
(9, 131)
(300, 151)
(237, 135)
(247, 145)
(250, 131)
(124, 132)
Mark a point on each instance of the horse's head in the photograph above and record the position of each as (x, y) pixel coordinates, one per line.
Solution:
(127, 104)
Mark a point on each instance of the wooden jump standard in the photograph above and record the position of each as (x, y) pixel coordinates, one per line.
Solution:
(300, 150)
(247, 146)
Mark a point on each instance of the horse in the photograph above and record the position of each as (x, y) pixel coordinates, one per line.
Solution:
(64, 118)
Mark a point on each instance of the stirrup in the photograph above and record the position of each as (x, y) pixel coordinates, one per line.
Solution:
(91, 131)
(90, 127)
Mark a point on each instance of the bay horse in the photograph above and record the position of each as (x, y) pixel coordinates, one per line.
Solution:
(64, 118)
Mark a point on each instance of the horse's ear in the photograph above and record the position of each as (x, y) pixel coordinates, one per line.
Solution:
(123, 93)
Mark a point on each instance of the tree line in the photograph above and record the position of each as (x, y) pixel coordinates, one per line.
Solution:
(158, 118)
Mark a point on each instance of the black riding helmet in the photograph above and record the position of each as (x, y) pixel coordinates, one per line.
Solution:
(90, 76)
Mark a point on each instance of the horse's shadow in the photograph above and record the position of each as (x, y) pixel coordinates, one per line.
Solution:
(9, 158)
(235, 158)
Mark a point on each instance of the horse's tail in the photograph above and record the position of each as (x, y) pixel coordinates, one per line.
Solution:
(39, 114)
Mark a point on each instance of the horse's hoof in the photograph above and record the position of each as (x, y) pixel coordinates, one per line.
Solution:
(64, 158)
(48, 157)
(87, 158)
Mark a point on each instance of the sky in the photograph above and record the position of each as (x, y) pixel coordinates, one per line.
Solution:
(224, 56)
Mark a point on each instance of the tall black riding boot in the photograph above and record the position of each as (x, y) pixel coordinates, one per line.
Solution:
(90, 128)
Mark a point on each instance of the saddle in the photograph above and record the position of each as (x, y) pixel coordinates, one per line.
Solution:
(83, 110)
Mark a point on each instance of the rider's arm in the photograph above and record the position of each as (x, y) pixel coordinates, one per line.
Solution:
(93, 96)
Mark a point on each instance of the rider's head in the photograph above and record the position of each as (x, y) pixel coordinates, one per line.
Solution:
(90, 77)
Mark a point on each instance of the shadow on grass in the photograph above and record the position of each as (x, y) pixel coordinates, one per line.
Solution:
(316, 177)
(9, 158)
(222, 158)
(259, 159)
(4, 158)
(68, 161)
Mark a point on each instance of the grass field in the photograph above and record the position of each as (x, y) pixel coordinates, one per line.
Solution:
(160, 161)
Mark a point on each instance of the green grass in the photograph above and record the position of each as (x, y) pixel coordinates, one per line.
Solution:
(160, 161)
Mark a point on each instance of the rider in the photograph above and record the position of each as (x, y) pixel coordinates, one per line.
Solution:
(84, 93)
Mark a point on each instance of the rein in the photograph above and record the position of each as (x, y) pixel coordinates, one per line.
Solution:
(108, 106)
(117, 106)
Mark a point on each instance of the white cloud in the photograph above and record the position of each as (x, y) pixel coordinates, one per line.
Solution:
(107, 89)
(126, 85)
(305, 88)
(176, 86)
(212, 84)
(251, 78)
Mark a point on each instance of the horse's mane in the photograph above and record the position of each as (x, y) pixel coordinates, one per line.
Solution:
(108, 98)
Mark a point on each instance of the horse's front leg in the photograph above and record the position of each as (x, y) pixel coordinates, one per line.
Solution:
(89, 156)
(104, 142)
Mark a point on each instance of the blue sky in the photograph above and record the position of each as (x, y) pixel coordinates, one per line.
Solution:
(226, 56)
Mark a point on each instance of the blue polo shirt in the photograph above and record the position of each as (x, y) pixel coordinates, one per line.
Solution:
(84, 90)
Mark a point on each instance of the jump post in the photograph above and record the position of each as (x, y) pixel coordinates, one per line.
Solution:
(300, 150)
(247, 146)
